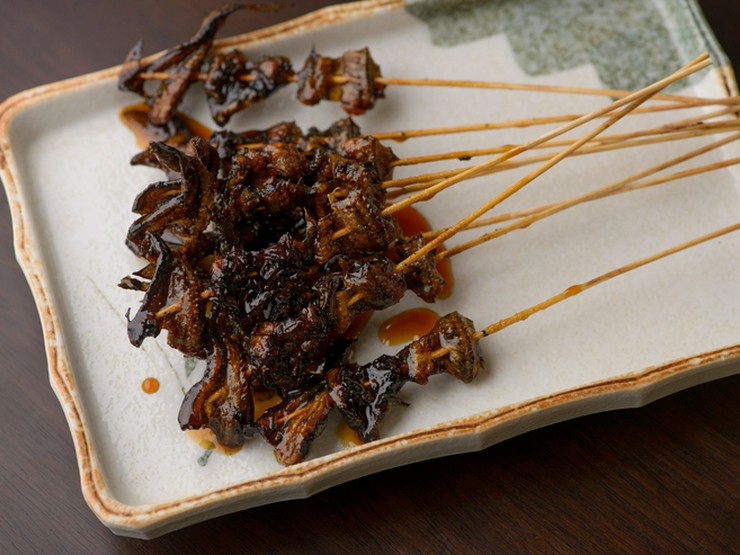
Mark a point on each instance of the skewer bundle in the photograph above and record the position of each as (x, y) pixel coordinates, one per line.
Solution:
(233, 82)
(263, 247)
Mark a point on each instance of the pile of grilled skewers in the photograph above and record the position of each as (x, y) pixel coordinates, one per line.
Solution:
(264, 247)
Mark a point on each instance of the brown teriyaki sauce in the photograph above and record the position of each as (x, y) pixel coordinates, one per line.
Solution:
(411, 324)
(347, 436)
(177, 132)
(207, 440)
(407, 326)
(150, 385)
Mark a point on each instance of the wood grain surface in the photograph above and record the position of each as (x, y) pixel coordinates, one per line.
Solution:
(663, 478)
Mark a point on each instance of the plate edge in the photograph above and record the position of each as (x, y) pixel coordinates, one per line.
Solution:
(153, 520)
(630, 390)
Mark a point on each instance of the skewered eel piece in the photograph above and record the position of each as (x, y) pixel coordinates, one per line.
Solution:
(244, 269)
(234, 82)
(363, 394)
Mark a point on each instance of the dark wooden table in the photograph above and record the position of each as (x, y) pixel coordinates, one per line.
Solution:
(663, 478)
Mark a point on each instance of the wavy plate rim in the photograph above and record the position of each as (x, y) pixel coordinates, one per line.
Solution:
(629, 390)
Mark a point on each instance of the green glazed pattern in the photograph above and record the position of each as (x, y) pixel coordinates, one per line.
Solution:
(652, 38)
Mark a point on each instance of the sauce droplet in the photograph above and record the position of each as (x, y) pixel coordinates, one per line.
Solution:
(347, 436)
(150, 385)
(206, 439)
(412, 222)
(177, 132)
(407, 326)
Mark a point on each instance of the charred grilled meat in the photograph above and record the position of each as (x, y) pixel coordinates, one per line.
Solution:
(233, 82)
(259, 260)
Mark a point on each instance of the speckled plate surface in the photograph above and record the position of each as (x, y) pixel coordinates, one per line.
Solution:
(670, 325)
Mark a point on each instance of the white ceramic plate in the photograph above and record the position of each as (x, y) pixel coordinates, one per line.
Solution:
(657, 330)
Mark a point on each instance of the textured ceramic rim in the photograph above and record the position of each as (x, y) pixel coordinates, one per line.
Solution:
(457, 436)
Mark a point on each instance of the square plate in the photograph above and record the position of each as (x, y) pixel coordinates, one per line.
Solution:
(670, 325)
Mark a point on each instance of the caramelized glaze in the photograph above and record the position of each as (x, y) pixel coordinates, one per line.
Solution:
(412, 222)
(206, 439)
(347, 436)
(176, 132)
(264, 399)
(407, 326)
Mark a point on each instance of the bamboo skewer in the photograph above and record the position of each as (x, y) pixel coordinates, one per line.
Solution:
(177, 307)
(403, 135)
(467, 220)
(696, 123)
(629, 183)
(460, 83)
(608, 142)
(695, 65)
(544, 209)
(625, 105)
(469, 84)
(578, 288)
(664, 133)
(425, 181)
(531, 122)
(602, 144)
